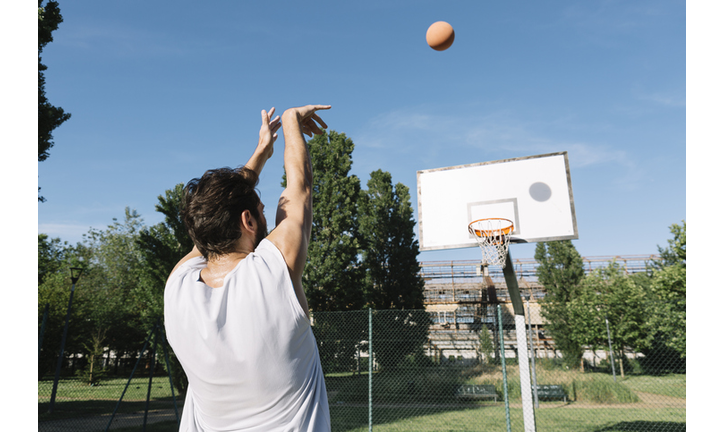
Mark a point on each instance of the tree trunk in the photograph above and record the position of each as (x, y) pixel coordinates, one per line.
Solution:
(90, 376)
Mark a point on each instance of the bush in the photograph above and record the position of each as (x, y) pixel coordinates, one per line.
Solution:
(551, 364)
(600, 389)
(99, 373)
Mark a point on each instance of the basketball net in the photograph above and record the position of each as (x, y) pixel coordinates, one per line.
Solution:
(493, 237)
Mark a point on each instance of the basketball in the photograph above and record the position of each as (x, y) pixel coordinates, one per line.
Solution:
(440, 36)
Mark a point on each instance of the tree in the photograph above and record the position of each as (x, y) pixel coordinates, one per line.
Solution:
(55, 258)
(49, 116)
(112, 263)
(162, 246)
(389, 257)
(51, 254)
(390, 250)
(486, 347)
(666, 341)
(332, 278)
(560, 271)
(332, 275)
(609, 293)
(675, 254)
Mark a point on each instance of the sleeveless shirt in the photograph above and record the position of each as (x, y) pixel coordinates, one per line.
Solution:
(247, 348)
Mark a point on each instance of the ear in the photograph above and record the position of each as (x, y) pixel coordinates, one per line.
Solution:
(248, 223)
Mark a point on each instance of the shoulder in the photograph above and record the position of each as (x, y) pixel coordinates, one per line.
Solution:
(186, 267)
(269, 252)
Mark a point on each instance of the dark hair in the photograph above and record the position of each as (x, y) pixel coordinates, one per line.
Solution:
(213, 205)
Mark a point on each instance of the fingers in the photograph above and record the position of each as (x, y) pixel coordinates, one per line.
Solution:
(309, 121)
(319, 120)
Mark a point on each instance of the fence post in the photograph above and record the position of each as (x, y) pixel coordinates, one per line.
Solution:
(369, 373)
(532, 354)
(62, 350)
(170, 378)
(153, 331)
(502, 362)
(156, 329)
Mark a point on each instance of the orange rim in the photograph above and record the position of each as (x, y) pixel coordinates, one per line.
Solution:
(490, 233)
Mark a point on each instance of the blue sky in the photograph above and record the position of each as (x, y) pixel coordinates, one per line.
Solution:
(160, 92)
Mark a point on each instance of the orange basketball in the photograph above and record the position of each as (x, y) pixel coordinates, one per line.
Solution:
(440, 36)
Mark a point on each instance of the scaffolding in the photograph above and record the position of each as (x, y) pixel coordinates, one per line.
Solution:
(460, 302)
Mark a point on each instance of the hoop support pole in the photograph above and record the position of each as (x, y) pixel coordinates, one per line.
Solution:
(522, 342)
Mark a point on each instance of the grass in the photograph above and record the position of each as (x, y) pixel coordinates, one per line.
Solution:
(75, 399)
(580, 387)
(468, 420)
(72, 389)
(494, 419)
(673, 385)
(421, 400)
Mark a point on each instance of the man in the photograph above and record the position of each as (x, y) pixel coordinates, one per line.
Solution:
(235, 310)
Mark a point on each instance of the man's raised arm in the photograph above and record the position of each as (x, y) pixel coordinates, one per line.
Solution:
(294, 212)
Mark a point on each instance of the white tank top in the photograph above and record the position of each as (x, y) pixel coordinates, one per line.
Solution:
(247, 349)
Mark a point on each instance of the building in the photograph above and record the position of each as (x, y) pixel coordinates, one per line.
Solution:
(460, 304)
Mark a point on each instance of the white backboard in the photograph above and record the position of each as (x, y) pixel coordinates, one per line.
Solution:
(534, 192)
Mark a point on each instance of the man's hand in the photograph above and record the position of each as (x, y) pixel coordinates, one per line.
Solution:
(268, 132)
(307, 118)
(267, 136)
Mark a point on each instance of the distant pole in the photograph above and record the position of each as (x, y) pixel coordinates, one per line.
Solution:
(532, 355)
(502, 362)
(610, 351)
(74, 276)
(369, 372)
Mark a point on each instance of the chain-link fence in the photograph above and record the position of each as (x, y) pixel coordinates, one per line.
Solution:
(433, 371)
(429, 371)
(131, 392)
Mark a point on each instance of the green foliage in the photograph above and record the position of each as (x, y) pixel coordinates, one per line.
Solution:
(602, 389)
(103, 302)
(161, 246)
(397, 334)
(51, 255)
(49, 116)
(332, 274)
(675, 254)
(390, 251)
(560, 271)
(610, 293)
(666, 328)
(338, 336)
(486, 348)
(93, 372)
(393, 281)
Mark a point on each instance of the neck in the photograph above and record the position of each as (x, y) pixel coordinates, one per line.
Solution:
(218, 266)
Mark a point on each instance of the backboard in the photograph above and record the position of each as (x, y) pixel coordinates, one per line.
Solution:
(534, 192)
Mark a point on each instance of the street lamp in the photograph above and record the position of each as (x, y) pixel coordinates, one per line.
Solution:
(75, 273)
(610, 345)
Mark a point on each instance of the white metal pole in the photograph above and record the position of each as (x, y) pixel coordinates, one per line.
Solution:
(522, 340)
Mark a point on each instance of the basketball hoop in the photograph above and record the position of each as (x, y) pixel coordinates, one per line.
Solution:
(493, 237)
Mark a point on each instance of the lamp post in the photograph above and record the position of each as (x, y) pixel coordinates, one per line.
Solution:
(610, 345)
(610, 350)
(75, 273)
